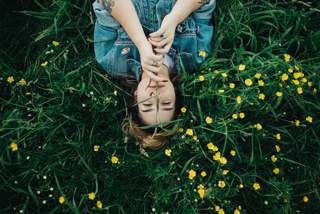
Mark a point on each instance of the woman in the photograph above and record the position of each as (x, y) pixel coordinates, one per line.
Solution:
(150, 42)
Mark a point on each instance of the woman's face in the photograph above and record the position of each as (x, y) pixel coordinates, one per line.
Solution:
(156, 101)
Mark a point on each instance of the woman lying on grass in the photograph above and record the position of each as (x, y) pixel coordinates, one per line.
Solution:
(177, 31)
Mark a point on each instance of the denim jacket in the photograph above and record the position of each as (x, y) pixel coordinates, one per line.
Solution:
(117, 54)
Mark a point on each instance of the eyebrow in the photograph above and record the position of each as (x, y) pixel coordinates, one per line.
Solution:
(166, 109)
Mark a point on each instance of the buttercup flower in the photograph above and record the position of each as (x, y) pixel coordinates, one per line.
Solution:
(202, 53)
(231, 85)
(277, 148)
(201, 78)
(241, 67)
(212, 147)
(262, 96)
(61, 200)
(91, 196)
(274, 158)
(55, 43)
(241, 186)
(183, 109)
(225, 171)
(96, 148)
(99, 204)
(10, 79)
(278, 94)
(257, 75)
(189, 132)
(201, 192)
(203, 173)
(233, 152)
(44, 64)
(223, 160)
(14, 146)
(260, 82)
(256, 186)
(217, 156)
(258, 126)
(290, 70)
(221, 184)
(238, 99)
(309, 119)
(299, 90)
(284, 77)
(180, 130)
(236, 211)
(22, 82)
(192, 174)
(114, 159)
(248, 82)
(234, 116)
(305, 199)
(241, 115)
(287, 57)
(208, 120)
(168, 152)
(224, 75)
(278, 136)
(276, 170)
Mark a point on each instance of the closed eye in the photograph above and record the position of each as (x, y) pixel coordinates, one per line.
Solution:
(147, 104)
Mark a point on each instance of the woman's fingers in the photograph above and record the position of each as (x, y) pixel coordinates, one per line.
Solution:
(155, 77)
(165, 49)
(160, 43)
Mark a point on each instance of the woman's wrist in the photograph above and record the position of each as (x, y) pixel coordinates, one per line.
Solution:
(141, 42)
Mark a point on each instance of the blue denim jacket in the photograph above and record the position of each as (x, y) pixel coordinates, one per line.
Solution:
(117, 54)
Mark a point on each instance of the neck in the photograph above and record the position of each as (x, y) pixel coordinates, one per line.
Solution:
(164, 72)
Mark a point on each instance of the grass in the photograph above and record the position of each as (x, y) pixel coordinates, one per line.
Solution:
(69, 107)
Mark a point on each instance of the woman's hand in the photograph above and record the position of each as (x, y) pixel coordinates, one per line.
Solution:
(150, 61)
(164, 36)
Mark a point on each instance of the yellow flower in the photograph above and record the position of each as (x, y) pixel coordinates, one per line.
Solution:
(203, 173)
(274, 158)
(44, 64)
(296, 82)
(256, 186)
(240, 186)
(304, 80)
(221, 211)
(258, 126)
(201, 192)
(257, 75)
(189, 132)
(201, 78)
(115, 92)
(299, 90)
(224, 75)
(277, 148)
(262, 96)
(192, 174)
(276, 170)
(241, 67)
(217, 156)
(284, 77)
(278, 136)
(296, 67)
(91, 196)
(225, 171)
(297, 75)
(223, 160)
(14, 146)
(236, 211)
(260, 82)
(208, 120)
(305, 199)
(278, 94)
(99, 204)
(309, 84)
(290, 70)
(22, 82)
(10, 79)
(212, 147)
(221, 184)
(234, 116)
(238, 99)
(180, 130)
(233, 152)
(61, 199)
(27, 93)
(241, 115)
(114, 159)
(55, 43)
(287, 57)
(96, 148)
(183, 109)
(297, 122)
(202, 53)
(195, 137)
(309, 119)
(220, 90)
(248, 82)
(168, 152)
(231, 85)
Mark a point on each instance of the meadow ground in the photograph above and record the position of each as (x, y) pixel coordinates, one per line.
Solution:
(249, 131)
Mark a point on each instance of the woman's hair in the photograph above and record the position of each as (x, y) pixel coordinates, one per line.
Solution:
(147, 138)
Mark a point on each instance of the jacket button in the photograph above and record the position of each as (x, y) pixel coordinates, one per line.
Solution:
(198, 29)
(181, 28)
(125, 50)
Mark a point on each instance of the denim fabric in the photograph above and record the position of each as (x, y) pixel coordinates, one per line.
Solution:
(117, 54)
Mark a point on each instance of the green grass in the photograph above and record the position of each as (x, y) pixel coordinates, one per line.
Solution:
(72, 107)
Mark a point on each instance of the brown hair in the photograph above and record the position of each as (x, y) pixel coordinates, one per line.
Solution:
(149, 137)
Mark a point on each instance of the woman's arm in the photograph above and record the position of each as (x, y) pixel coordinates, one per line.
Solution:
(182, 9)
(125, 13)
